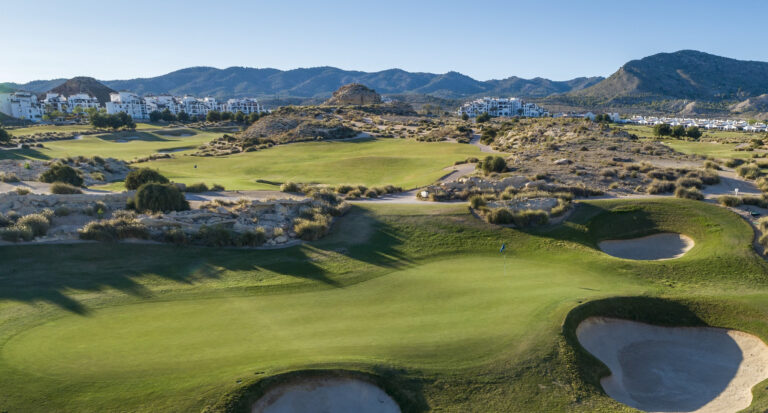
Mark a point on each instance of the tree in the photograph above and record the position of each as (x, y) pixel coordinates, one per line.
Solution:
(167, 115)
(253, 117)
(678, 131)
(155, 116)
(60, 172)
(227, 115)
(464, 116)
(159, 197)
(5, 137)
(240, 117)
(182, 117)
(493, 164)
(139, 177)
(483, 117)
(693, 132)
(662, 129)
(213, 116)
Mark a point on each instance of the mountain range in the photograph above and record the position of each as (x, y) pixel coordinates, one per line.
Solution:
(686, 81)
(320, 82)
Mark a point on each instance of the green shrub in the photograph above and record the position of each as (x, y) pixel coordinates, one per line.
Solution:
(9, 177)
(22, 191)
(38, 223)
(196, 188)
(98, 176)
(729, 200)
(59, 172)
(120, 227)
(733, 162)
(690, 182)
(749, 171)
(217, 188)
(139, 177)
(354, 194)
(501, 216)
(371, 193)
(158, 197)
(344, 189)
(61, 188)
(762, 224)
(712, 165)
(754, 200)
(660, 187)
(476, 202)
(493, 164)
(215, 236)
(529, 218)
(290, 187)
(762, 183)
(688, 193)
(252, 238)
(175, 236)
(16, 233)
(311, 229)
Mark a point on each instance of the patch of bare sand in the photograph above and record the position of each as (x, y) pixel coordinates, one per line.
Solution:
(676, 369)
(316, 395)
(662, 246)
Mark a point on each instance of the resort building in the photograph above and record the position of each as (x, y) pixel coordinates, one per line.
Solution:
(506, 107)
(82, 100)
(21, 105)
(129, 103)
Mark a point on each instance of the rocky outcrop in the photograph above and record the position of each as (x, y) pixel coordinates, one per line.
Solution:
(77, 203)
(354, 94)
(92, 169)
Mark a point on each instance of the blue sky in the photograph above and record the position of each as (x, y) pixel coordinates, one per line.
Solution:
(484, 39)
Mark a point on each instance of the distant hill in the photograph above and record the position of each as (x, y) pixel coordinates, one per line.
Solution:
(87, 85)
(686, 74)
(320, 82)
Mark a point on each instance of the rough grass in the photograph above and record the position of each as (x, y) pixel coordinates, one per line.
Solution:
(417, 296)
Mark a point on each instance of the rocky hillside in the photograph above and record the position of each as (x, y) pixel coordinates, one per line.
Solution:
(285, 125)
(686, 74)
(320, 82)
(87, 85)
(354, 94)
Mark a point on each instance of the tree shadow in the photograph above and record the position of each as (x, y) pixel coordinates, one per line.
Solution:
(23, 154)
(60, 274)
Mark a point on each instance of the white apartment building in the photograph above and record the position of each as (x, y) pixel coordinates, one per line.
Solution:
(55, 101)
(245, 105)
(127, 102)
(21, 105)
(82, 100)
(506, 107)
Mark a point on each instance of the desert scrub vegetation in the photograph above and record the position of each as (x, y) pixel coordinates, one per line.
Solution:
(202, 187)
(139, 177)
(60, 172)
(9, 177)
(157, 197)
(221, 236)
(729, 200)
(63, 188)
(25, 228)
(492, 164)
(122, 225)
(749, 171)
(658, 186)
(688, 193)
(312, 228)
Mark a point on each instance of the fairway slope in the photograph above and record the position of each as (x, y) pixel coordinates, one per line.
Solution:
(676, 369)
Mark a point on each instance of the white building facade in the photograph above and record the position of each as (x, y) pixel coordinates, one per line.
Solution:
(127, 102)
(504, 107)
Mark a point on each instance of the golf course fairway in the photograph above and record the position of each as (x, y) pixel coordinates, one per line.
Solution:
(418, 296)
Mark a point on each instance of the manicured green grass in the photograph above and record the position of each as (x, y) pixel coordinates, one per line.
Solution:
(370, 162)
(416, 294)
(647, 132)
(114, 145)
(716, 150)
(31, 130)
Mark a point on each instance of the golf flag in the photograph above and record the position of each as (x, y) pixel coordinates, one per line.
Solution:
(502, 247)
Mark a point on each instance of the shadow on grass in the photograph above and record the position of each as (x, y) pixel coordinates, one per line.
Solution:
(55, 273)
(23, 154)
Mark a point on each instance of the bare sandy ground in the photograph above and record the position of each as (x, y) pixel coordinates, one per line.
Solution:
(321, 395)
(676, 369)
(663, 246)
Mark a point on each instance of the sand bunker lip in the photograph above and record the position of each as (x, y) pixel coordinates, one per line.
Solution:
(326, 394)
(664, 246)
(676, 369)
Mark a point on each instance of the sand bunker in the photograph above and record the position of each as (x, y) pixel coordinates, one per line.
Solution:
(663, 246)
(676, 369)
(338, 395)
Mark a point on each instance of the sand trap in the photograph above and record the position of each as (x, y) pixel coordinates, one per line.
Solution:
(676, 369)
(663, 246)
(316, 395)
